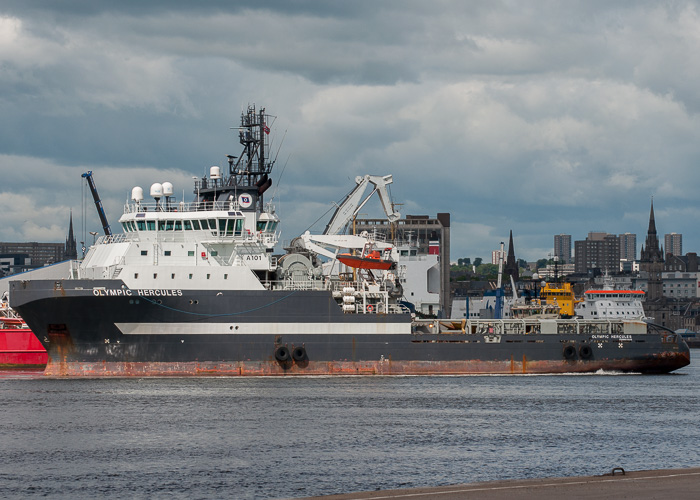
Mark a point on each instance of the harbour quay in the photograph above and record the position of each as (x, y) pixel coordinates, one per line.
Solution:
(679, 484)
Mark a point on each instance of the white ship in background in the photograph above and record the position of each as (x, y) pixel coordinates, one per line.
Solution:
(607, 302)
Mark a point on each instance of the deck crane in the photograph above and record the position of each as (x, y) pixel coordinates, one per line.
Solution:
(100, 210)
(351, 205)
(499, 286)
(331, 240)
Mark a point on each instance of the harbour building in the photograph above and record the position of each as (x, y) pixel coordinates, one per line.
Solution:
(628, 247)
(562, 247)
(497, 255)
(20, 257)
(598, 252)
(673, 243)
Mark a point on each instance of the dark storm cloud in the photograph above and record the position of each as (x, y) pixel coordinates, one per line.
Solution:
(543, 118)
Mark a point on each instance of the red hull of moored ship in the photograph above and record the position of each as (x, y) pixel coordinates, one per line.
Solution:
(21, 350)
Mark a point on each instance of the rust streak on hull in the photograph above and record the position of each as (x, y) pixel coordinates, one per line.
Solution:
(63, 368)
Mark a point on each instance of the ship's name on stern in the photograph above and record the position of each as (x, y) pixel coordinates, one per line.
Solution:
(121, 292)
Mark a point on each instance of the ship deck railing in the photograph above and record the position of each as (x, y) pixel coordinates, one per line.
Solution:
(115, 238)
(373, 298)
(181, 206)
(529, 326)
(245, 238)
(332, 284)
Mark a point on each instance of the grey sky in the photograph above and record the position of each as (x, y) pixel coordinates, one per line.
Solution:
(540, 117)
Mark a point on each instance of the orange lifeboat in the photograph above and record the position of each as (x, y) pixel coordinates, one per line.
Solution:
(372, 260)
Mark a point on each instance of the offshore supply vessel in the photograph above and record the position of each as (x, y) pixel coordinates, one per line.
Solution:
(195, 289)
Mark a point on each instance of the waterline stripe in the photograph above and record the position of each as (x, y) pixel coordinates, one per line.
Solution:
(234, 328)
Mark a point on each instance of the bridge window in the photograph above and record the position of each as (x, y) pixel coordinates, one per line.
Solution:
(151, 225)
(141, 225)
(212, 225)
(188, 225)
(226, 227)
(169, 225)
(178, 225)
(205, 224)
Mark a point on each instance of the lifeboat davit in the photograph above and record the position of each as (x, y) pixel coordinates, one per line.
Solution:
(373, 260)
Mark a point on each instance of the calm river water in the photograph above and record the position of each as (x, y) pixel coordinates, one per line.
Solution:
(296, 437)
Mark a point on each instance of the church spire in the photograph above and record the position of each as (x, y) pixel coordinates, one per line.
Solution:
(652, 261)
(511, 265)
(651, 251)
(652, 222)
(71, 247)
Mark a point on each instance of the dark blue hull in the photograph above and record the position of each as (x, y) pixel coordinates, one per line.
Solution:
(99, 328)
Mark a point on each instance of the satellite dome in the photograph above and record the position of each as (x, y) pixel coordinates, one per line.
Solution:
(156, 190)
(215, 172)
(167, 189)
(137, 194)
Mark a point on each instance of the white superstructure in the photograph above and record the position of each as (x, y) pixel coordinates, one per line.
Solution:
(609, 303)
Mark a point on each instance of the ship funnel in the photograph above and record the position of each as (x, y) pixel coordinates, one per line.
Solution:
(167, 189)
(262, 181)
(265, 186)
(215, 172)
(157, 190)
(137, 194)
